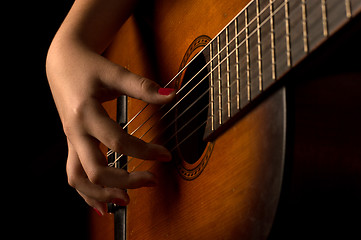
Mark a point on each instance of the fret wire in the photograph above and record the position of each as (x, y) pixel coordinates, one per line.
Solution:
(216, 55)
(248, 68)
(219, 82)
(324, 18)
(348, 8)
(288, 36)
(304, 26)
(219, 63)
(211, 88)
(222, 60)
(237, 67)
(273, 13)
(228, 77)
(244, 41)
(186, 66)
(259, 48)
(210, 62)
(304, 22)
(273, 50)
(348, 13)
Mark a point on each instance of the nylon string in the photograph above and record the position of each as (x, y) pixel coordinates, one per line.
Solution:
(191, 79)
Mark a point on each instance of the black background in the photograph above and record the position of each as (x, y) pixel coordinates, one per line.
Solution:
(40, 203)
(37, 202)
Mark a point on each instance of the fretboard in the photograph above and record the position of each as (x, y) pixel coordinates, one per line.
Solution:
(262, 43)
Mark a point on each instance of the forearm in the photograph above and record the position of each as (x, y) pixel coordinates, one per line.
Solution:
(93, 23)
(81, 80)
(73, 58)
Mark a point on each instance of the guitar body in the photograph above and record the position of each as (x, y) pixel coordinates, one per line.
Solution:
(231, 187)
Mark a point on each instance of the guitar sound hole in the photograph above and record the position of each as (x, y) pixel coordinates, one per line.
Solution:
(192, 112)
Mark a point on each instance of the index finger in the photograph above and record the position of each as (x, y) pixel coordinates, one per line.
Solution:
(107, 131)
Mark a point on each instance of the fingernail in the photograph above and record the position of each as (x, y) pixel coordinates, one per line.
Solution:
(165, 91)
(98, 212)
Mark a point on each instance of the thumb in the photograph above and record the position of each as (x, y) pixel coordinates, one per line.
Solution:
(133, 85)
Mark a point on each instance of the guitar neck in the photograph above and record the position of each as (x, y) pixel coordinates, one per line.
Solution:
(261, 44)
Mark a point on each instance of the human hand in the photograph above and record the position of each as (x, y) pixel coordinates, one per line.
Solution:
(80, 80)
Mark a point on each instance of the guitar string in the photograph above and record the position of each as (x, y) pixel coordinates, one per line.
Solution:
(223, 49)
(175, 119)
(172, 136)
(266, 19)
(169, 125)
(228, 55)
(174, 147)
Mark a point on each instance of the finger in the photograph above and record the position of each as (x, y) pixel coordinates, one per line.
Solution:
(113, 136)
(95, 167)
(79, 180)
(133, 85)
(99, 206)
(76, 176)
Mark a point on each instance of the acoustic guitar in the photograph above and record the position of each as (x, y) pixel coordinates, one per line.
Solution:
(265, 128)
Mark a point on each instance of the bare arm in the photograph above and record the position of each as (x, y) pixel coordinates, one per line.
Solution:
(80, 80)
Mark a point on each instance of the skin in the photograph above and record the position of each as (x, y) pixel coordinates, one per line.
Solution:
(80, 80)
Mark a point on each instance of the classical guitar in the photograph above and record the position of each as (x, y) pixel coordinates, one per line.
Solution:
(264, 131)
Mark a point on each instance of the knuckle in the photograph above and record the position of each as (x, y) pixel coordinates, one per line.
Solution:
(144, 83)
(115, 73)
(71, 181)
(140, 86)
(95, 176)
(120, 71)
(109, 194)
(117, 144)
(147, 86)
(67, 128)
(144, 87)
(72, 177)
(74, 118)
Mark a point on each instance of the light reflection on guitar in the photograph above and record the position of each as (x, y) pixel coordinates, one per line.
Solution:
(278, 107)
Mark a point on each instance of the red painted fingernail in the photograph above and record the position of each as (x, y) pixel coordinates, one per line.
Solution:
(98, 212)
(165, 91)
